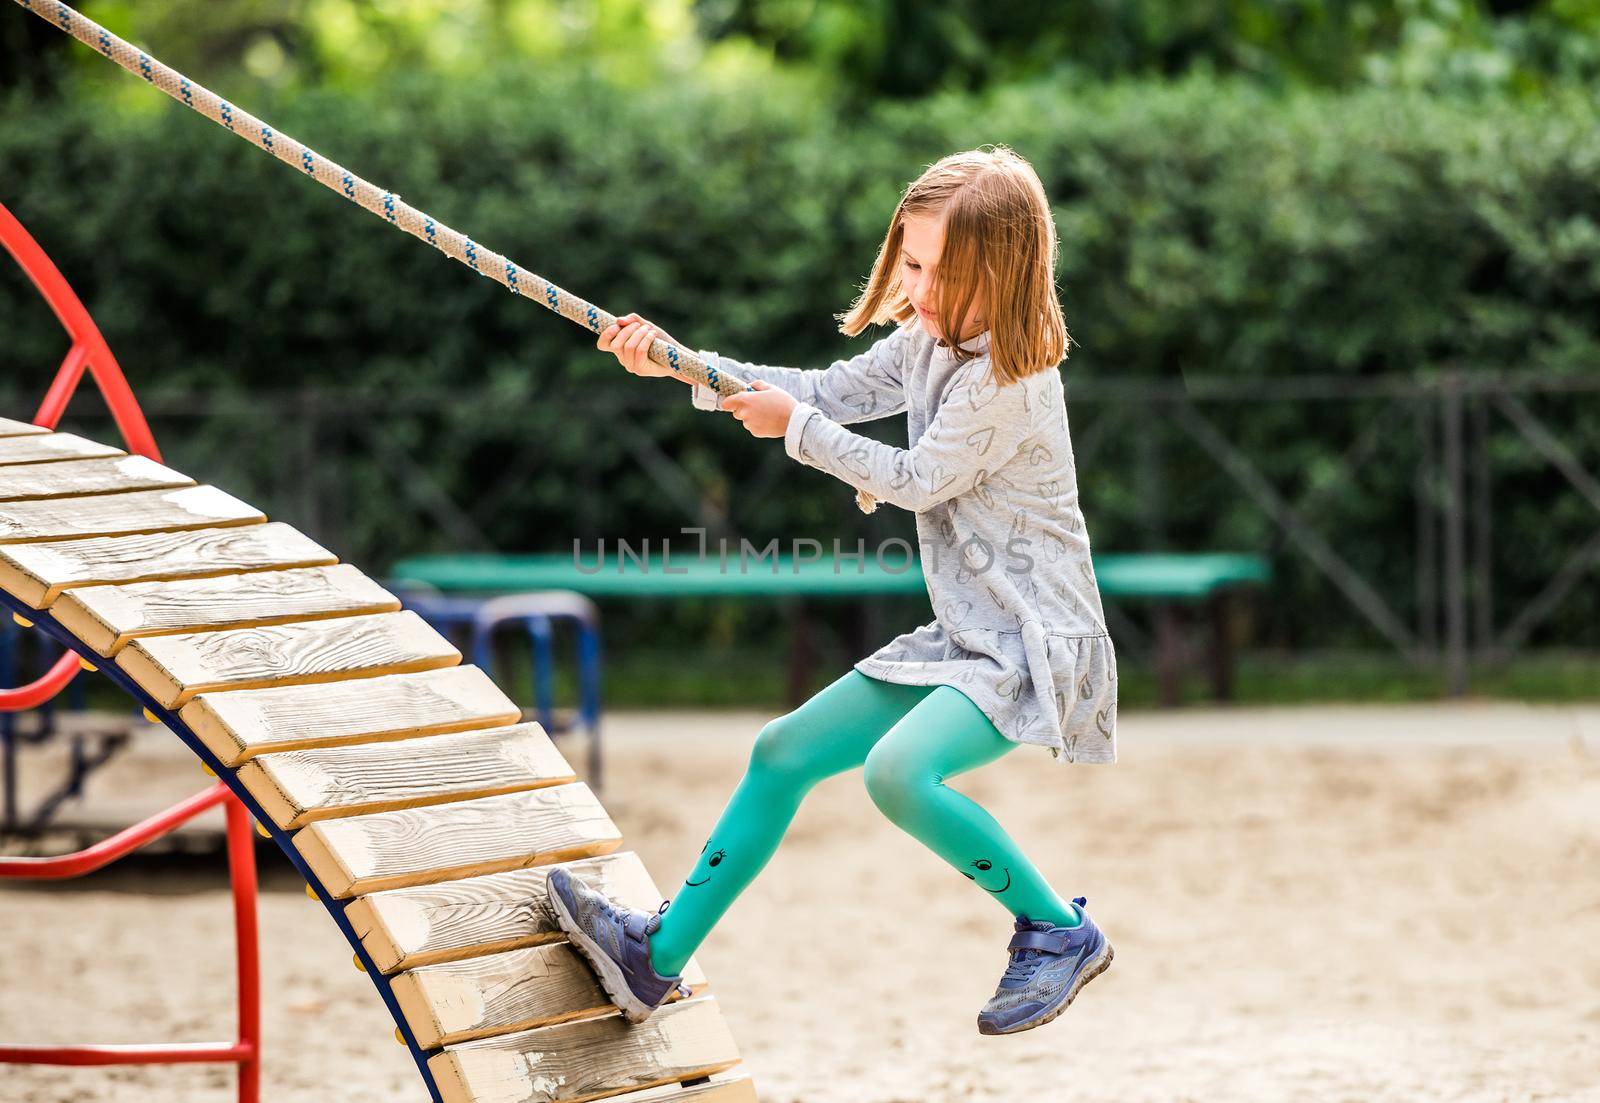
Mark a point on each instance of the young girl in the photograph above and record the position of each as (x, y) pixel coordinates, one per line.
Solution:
(1017, 651)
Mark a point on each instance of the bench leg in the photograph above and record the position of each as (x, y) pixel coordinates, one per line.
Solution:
(1169, 654)
(801, 653)
(1221, 657)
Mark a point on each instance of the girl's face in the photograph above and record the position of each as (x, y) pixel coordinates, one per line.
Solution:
(921, 245)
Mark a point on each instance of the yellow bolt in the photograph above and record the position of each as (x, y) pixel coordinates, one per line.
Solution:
(87, 665)
(311, 892)
(22, 620)
(399, 1037)
(359, 967)
(152, 717)
(261, 829)
(209, 771)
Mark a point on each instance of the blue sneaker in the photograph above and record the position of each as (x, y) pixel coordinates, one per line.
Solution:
(616, 942)
(1048, 965)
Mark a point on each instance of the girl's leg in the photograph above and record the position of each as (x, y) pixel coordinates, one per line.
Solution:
(943, 735)
(830, 733)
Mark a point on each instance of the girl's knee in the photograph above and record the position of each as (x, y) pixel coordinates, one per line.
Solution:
(896, 784)
(782, 747)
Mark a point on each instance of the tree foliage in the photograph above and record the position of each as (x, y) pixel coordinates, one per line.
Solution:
(1209, 226)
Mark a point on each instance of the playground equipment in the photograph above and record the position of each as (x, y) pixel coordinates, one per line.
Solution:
(89, 352)
(396, 780)
(400, 784)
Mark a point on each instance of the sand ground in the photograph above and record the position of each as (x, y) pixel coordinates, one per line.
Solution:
(1307, 904)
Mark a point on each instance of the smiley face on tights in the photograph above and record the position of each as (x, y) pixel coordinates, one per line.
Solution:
(983, 865)
(716, 860)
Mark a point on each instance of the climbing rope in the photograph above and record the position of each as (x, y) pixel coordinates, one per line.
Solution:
(385, 204)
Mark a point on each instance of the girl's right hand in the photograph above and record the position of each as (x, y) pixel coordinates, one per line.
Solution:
(628, 339)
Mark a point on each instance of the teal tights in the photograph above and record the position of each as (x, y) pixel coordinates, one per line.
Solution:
(908, 739)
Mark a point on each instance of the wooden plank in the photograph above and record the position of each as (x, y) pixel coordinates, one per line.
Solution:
(241, 724)
(191, 507)
(421, 846)
(107, 618)
(50, 448)
(9, 428)
(502, 993)
(71, 478)
(38, 573)
(298, 787)
(732, 1086)
(427, 924)
(172, 669)
(590, 1058)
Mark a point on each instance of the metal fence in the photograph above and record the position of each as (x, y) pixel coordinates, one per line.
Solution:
(1451, 518)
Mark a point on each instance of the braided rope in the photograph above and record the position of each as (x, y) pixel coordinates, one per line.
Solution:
(385, 204)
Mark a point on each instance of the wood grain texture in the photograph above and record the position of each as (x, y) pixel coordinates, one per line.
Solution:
(298, 787)
(172, 669)
(507, 992)
(732, 1086)
(405, 928)
(107, 618)
(241, 724)
(9, 428)
(72, 478)
(590, 1058)
(50, 448)
(420, 846)
(191, 507)
(38, 573)
(352, 715)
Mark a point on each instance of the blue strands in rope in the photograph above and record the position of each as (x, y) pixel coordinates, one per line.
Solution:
(427, 228)
(551, 296)
(349, 186)
(188, 94)
(511, 279)
(672, 358)
(266, 136)
(472, 254)
(592, 316)
(144, 69)
(308, 161)
(64, 16)
(227, 115)
(105, 43)
(388, 205)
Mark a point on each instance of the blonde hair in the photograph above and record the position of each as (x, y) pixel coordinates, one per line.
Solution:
(1000, 239)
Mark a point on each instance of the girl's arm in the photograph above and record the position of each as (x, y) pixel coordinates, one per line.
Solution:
(978, 427)
(861, 388)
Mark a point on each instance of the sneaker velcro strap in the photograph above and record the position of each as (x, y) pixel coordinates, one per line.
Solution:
(1039, 940)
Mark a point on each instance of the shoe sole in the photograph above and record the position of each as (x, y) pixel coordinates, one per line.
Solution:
(606, 969)
(1097, 965)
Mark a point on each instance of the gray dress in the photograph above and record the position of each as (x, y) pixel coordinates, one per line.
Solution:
(1018, 624)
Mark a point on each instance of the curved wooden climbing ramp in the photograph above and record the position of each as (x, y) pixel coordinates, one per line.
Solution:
(422, 813)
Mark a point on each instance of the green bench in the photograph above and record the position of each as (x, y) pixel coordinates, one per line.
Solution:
(1172, 583)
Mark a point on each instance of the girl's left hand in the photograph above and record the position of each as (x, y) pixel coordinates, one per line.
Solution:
(764, 411)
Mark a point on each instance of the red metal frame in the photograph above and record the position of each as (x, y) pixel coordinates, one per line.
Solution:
(89, 350)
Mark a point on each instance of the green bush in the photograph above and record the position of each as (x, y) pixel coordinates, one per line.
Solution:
(1208, 228)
